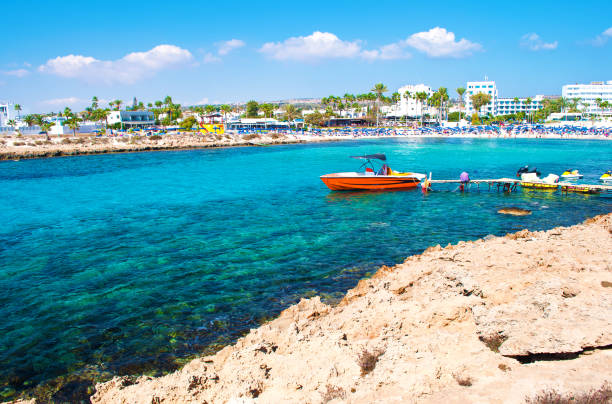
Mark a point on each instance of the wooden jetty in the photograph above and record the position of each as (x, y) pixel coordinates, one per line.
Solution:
(510, 185)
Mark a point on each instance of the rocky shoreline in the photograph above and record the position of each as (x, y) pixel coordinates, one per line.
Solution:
(495, 320)
(31, 147)
(498, 320)
(17, 148)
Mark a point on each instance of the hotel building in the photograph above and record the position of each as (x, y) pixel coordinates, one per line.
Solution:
(498, 106)
(588, 93)
(5, 113)
(132, 119)
(408, 105)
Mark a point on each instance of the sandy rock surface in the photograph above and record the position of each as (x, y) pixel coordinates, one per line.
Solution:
(487, 321)
(35, 146)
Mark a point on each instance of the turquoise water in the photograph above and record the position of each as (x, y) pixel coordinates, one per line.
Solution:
(126, 263)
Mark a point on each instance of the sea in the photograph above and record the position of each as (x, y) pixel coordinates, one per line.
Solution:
(122, 264)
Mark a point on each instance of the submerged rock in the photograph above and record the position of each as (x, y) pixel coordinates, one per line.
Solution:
(514, 211)
(485, 321)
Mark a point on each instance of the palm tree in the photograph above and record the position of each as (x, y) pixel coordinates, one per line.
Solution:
(460, 91)
(45, 127)
(102, 115)
(94, 102)
(443, 101)
(598, 102)
(29, 120)
(18, 109)
(527, 103)
(575, 102)
(422, 97)
(118, 104)
(158, 104)
(73, 123)
(225, 109)
(268, 109)
(564, 103)
(291, 113)
(379, 89)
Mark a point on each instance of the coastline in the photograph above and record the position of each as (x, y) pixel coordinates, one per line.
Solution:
(496, 319)
(38, 147)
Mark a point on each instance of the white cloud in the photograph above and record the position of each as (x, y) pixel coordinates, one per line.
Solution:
(226, 47)
(602, 38)
(63, 102)
(440, 43)
(126, 70)
(17, 73)
(532, 41)
(325, 45)
(387, 52)
(318, 45)
(211, 58)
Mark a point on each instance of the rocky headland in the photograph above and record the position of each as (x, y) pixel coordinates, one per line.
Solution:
(497, 320)
(39, 146)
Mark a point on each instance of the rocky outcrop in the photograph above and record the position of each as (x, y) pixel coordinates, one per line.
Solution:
(25, 147)
(483, 321)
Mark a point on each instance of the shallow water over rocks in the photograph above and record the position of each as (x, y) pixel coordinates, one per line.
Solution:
(130, 263)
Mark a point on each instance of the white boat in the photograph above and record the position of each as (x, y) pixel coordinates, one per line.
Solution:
(606, 178)
(571, 175)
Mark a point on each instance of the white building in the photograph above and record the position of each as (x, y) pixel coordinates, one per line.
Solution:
(408, 105)
(588, 93)
(498, 106)
(132, 119)
(5, 113)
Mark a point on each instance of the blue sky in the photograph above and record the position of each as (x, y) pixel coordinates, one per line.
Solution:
(62, 53)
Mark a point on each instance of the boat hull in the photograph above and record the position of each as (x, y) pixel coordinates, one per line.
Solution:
(338, 182)
(540, 186)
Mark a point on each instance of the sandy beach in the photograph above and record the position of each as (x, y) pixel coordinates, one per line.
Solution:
(495, 320)
(25, 147)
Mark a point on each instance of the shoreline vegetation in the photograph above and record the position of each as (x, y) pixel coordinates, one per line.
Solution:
(41, 146)
(501, 319)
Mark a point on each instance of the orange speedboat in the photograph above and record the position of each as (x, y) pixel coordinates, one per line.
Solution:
(383, 178)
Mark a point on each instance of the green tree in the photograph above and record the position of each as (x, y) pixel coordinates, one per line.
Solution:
(267, 109)
(117, 104)
(527, 104)
(252, 109)
(188, 123)
(479, 100)
(29, 120)
(158, 104)
(443, 91)
(422, 98)
(18, 109)
(379, 89)
(475, 118)
(575, 102)
(225, 109)
(94, 102)
(564, 103)
(45, 127)
(395, 97)
(315, 119)
(291, 112)
(73, 122)
(460, 91)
